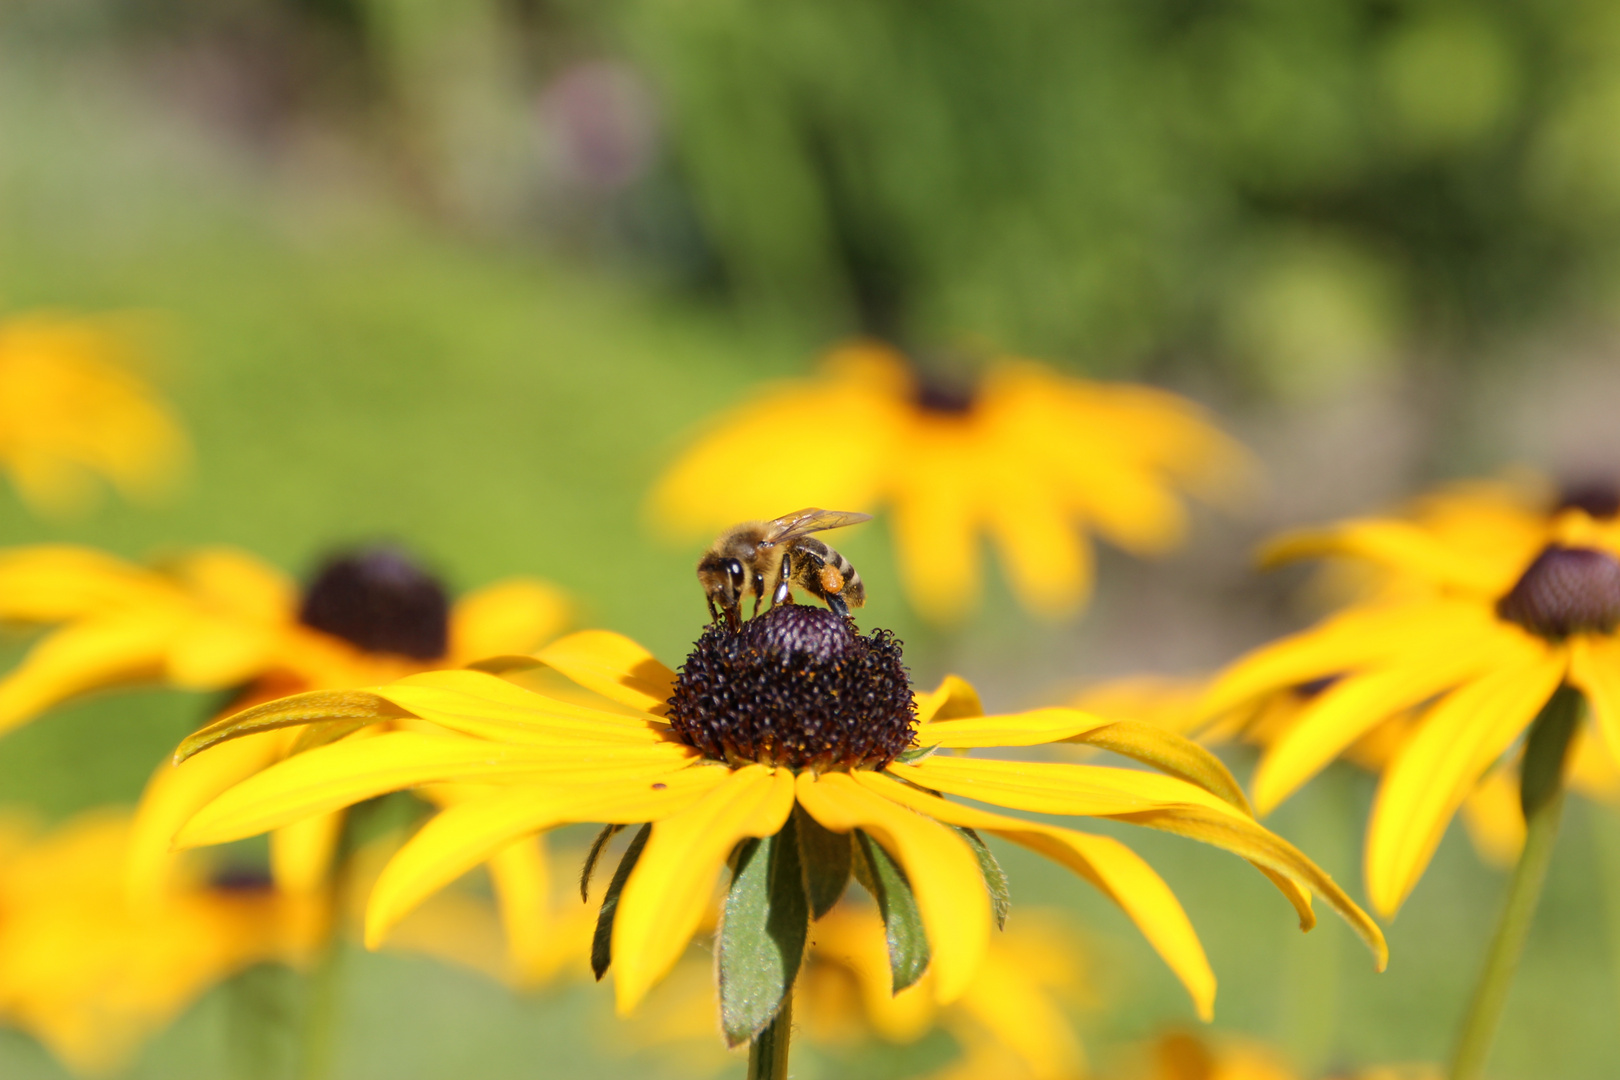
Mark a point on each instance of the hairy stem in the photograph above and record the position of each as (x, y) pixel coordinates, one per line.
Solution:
(768, 1053)
(1542, 794)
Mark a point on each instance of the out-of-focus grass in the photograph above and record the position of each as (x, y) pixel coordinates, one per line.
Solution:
(349, 373)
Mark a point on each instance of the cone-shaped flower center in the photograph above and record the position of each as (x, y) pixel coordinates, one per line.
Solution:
(797, 686)
(938, 396)
(1566, 591)
(380, 601)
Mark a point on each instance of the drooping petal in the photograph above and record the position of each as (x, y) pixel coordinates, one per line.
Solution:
(1402, 546)
(943, 871)
(459, 838)
(520, 876)
(1461, 736)
(1048, 560)
(614, 666)
(954, 699)
(513, 616)
(1169, 753)
(1116, 871)
(668, 892)
(1045, 787)
(1594, 667)
(343, 773)
(1494, 818)
(1031, 728)
(173, 795)
(301, 852)
(1344, 643)
(1356, 704)
(81, 657)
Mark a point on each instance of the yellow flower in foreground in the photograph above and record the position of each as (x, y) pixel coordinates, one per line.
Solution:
(794, 728)
(1484, 627)
(92, 976)
(1011, 1023)
(1033, 459)
(218, 619)
(69, 412)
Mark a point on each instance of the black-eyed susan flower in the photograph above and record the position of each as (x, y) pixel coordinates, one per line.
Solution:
(1032, 459)
(1487, 607)
(792, 749)
(1182, 1055)
(218, 619)
(71, 412)
(1012, 1022)
(92, 976)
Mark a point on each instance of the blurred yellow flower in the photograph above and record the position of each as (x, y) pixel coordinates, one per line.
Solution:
(217, 619)
(1184, 1056)
(70, 411)
(92, 976)
(1011, 1023)
(796, 725)
(1483, 614)
(1033, 459)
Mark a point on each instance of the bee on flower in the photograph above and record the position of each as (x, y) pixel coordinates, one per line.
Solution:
(220, 619)
(1033, 460)
(71, 412)
(792, 750)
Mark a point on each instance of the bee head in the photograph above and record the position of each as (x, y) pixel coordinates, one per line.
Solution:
(723, 578)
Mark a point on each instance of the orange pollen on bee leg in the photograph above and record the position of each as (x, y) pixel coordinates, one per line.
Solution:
(832, 579)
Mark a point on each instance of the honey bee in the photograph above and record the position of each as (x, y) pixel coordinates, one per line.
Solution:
(771, 558)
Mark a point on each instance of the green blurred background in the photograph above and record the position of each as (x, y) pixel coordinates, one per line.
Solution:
(461, 273)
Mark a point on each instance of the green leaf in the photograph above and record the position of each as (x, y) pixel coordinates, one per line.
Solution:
(592, 857)
(995, 879)
(826, 858)
(902, 922)
(762, 934)
(602, 942)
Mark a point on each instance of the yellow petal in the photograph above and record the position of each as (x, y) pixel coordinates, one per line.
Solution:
(936, 536)
(48, 583)
(173, 795)
(1594, 667)
(1460, 737)
(1494, 818)
(1345, 643)
(669, 891)
(1031, 728)
(512, 616)
(521, 879)
(301, 853)
(953, 700)
(614, 666)
(459, 838)
(1402, 546)
(944, 873)
(343, 773)
(84, 656)
(317, 706)
(1350, 708)
(1048, 561)
(1117, 871)
(1169, 753)
(485, 705)
(1056, 787)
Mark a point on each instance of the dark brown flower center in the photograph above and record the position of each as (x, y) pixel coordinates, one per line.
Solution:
(1565, 591)
(1599, 499)
(380, 601)
(797, 686)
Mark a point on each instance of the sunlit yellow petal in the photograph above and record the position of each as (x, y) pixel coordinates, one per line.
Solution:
(1031, 728)
(1404, 547)
(669, 891)
(954, 699)
(1117, 871)
(1169, 753)
(513, 616)
(1356, 704)
(1056, 787)
(466, 834)
(338, 775)
(943, 872)
(1048, 561)
(1458, 739)
(614, 666)
(477, 703)
(81, 657)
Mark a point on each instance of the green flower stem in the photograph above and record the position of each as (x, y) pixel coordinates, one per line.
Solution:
(1541, 793)
(768, 1053)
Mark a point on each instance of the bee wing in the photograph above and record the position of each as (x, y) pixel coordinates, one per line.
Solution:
(809, 520)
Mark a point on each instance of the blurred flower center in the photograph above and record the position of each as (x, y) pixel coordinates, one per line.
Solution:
(380, 601)
(1565, 591)
(936, 395)
(797, 686)
(1599, 499)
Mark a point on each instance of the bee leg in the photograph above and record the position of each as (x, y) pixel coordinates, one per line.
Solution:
(836, 604)
(784, 591)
